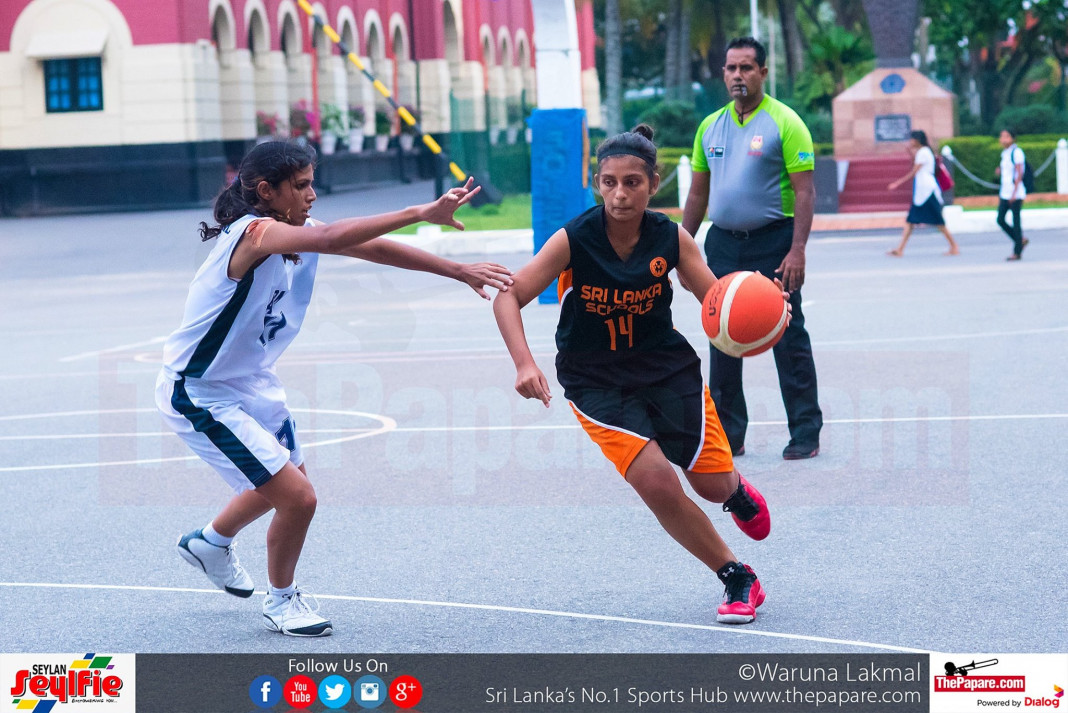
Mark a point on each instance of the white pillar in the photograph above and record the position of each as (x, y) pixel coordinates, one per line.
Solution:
(558, 64)
(683, 177)
(1062, 166)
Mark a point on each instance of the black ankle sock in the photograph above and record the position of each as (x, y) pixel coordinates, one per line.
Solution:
(724, 573)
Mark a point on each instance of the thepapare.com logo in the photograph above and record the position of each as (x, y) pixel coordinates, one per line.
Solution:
(66, 682)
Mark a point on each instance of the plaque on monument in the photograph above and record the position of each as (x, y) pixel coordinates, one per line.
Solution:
(875, 115)
(892, 127)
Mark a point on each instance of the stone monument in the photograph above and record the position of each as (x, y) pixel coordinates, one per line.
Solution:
(875, 115)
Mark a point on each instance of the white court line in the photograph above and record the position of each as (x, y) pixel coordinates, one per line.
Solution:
(363, 357)
(111, 350)
(388, 424)
(507, 609)
(356, 434)
(361, 433)
(64, 374)
(938, 338)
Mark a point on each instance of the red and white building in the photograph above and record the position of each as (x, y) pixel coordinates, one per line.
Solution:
(117, 85)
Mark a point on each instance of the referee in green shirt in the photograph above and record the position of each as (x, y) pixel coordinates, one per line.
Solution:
(752, 171)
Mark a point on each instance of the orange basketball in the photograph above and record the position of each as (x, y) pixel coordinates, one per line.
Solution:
(744, 314)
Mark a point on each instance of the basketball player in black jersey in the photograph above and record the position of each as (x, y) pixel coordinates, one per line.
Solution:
(633, 381)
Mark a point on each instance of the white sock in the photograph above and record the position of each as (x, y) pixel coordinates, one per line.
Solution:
(282, 591)
(214, 537)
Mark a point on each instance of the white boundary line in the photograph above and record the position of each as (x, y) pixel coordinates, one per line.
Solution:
(390, 425)
(306, 359)
(943, 337)
(507, 609)
(110, 350)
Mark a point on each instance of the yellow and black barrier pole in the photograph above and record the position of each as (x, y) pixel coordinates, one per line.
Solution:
(488, 193)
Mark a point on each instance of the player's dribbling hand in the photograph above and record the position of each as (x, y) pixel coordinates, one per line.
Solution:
(786, 298)
(482, 274)
(531, 384)
(441, 211)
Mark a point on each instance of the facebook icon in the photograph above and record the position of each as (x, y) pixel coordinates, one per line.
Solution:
(265, 691)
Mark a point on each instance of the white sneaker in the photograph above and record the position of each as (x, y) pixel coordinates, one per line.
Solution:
(295, 615)
(219, 563)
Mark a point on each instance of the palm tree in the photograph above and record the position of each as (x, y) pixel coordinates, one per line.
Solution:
(671, 51)
(613, 68)
(684, 56)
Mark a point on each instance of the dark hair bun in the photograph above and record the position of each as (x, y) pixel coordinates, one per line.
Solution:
(644, 130)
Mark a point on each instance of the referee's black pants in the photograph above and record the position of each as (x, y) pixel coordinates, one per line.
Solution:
(763, 252)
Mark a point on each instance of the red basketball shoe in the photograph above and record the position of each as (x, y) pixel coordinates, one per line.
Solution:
(749, 510)
(742, 594)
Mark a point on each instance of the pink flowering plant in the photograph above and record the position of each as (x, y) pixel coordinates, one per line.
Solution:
(302, 119)
(267, 124)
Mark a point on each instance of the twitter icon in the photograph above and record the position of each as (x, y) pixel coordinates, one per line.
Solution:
(335, 692)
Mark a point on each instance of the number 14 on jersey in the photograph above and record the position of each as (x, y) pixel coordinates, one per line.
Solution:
(619, 327)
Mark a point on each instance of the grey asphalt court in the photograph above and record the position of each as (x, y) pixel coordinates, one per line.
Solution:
(456, 517)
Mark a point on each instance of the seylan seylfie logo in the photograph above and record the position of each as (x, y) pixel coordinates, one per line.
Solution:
(85, 680)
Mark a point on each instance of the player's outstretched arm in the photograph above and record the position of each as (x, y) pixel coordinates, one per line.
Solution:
(477, 275)
(694, 273)
(527, 284)
(280, 238)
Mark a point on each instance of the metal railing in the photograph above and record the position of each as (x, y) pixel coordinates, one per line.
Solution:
(1060, 154)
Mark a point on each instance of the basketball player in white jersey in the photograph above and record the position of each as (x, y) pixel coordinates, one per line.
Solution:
(218, 389)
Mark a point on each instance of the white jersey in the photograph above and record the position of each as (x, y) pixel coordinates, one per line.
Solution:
(237, 328)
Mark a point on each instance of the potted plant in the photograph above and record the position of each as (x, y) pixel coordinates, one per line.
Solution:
(407, 133)
(334, 126)
(356, 119)
(267, 126)
(383, 125)
(302, 118)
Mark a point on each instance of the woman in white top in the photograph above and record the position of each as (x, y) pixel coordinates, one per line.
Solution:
(218, 389)
(926, 208)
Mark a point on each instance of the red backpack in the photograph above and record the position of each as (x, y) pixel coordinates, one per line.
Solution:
(943, 176)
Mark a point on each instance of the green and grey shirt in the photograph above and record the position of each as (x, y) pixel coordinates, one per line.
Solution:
(750, 163)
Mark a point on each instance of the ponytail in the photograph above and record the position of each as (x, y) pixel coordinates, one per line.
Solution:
(272, 161)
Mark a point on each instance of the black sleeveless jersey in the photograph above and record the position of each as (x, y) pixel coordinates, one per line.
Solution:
(615, 324)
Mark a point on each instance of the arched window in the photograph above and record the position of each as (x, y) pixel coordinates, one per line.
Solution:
(290, 41)
(258, 45)
(453, 48)
(222, 36)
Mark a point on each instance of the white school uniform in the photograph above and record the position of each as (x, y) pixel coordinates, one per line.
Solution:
(218, 389)
(1010, 159)
(924, 184)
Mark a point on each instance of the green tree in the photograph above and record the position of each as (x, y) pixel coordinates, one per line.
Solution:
(836, 58)
(1046, 23)
(613, 61)
(969, 38)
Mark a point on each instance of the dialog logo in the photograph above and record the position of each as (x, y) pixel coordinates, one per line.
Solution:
(334, 692)
(265, 691)
(93, 682)
(299, 692)
(369, 691)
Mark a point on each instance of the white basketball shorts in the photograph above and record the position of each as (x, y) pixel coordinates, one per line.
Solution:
(241, 428)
